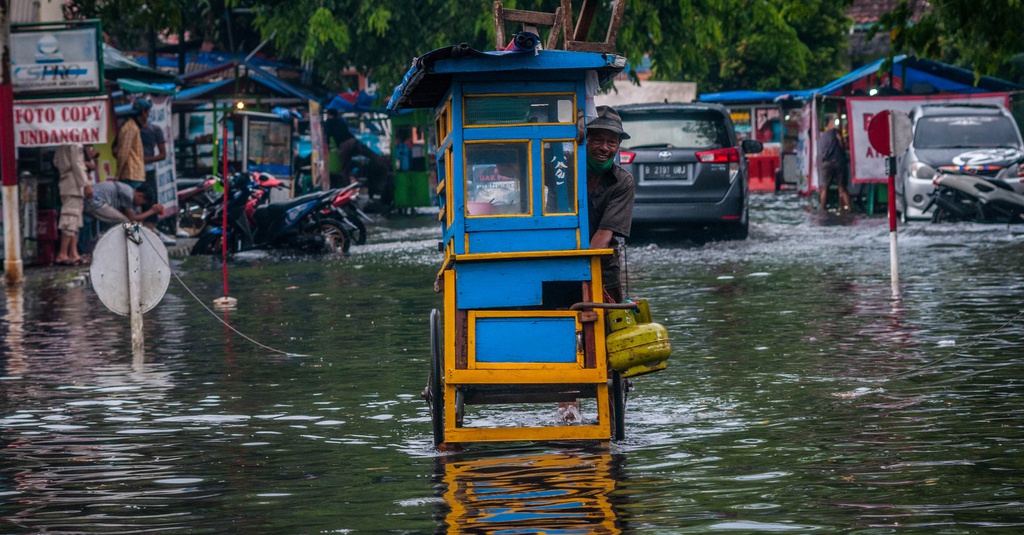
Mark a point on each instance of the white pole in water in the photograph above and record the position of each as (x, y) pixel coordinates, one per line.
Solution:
(134, 235)
(894, 258)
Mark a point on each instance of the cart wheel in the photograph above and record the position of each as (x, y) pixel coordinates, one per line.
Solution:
(618, 406)
(436, 397)
(460, 407)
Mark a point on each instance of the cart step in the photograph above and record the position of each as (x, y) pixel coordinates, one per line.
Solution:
(502, 394)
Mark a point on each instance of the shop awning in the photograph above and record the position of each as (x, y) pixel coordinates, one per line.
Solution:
(134, 86)
(118, 65)
(253, 73)
(741, 97)
(201, 90)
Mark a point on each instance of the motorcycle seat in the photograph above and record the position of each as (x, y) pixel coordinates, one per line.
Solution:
(275, 211)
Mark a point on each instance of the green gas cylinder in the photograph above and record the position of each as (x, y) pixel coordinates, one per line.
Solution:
(635, 344)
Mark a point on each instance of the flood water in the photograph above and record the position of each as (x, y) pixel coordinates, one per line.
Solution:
(800, 396)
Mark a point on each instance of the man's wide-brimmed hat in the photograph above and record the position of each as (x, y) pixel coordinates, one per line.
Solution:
(608, 119)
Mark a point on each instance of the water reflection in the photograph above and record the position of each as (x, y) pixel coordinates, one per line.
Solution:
(564, 492)
(14, 319)
(800, 397)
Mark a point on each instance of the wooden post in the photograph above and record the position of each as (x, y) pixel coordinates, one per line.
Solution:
(13, 268)
(499, 26)
(583, 22)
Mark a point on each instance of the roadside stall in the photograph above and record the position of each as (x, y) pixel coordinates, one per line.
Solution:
(851, 102)
(773, 118)
(415, 178)
(266, 147)
(59, 94)
(227, 88)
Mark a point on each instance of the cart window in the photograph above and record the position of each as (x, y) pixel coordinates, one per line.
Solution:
(559, 177)
(518, 109)
(497, 178)
(443, 123)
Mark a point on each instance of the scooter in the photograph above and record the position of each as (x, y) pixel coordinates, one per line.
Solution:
(344, 208)
(960, 196)
(194, 199)
(293, 224)
(198, 197)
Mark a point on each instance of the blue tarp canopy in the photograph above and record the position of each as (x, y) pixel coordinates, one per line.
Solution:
(212, 59)
(276, 83)
(914, 71)
(134, 86)
(736, 97)
(201, 90)
(360, 102)
(916, 75)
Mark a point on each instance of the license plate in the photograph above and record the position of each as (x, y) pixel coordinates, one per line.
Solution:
(665, 171)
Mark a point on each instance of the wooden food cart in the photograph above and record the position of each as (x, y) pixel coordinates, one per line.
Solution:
(524, 324)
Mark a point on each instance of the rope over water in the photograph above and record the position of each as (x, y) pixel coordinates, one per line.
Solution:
(214, 313)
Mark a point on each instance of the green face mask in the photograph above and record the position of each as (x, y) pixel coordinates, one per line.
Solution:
(597, 167)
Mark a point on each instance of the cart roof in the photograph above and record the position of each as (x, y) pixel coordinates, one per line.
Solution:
(430, 75)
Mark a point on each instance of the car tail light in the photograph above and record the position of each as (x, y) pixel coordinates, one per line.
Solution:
(729, 155)
(626, 157)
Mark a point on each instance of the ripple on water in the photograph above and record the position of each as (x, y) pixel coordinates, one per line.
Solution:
(799, 398)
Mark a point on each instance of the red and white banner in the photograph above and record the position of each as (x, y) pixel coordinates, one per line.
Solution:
(47, 123)
(866, 165)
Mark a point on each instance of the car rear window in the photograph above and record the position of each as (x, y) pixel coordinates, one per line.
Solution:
(965, 131)
(679, 128)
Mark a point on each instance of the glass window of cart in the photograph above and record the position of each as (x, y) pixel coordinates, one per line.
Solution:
(559, 177)
(497, 178)
(487, 110)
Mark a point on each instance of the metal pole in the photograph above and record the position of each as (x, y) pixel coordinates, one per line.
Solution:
(13, 269)
(134, 235)
(224, 214)
(894, 258)
(225, 301)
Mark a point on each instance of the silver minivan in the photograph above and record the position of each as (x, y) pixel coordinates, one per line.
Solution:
(689, 167)
(978, 139)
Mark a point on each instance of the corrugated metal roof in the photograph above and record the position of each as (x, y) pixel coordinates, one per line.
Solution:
(252, 73)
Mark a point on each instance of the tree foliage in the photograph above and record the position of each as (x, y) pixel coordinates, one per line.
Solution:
(128, 21)
(739, 44)
(719, 44)
(983, 35)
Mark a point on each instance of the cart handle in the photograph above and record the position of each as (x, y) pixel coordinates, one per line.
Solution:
(612, 306)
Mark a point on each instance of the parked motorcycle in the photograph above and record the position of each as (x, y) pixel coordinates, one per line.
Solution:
(344, 208)
(960, 196)
(195, 196)
(198, 197)
(295, 223)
